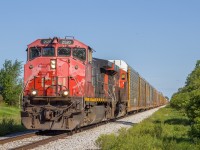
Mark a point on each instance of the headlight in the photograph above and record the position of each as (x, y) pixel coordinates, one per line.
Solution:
(53, 64)
(33, 92)
(65, 93)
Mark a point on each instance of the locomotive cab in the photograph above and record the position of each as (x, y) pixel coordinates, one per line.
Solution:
(51, 64)
(55, 78)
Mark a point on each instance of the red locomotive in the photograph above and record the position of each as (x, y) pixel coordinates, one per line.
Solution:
(66, 88)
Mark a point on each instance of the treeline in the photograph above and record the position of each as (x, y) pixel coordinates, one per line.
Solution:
(187, 99)
(11, 82)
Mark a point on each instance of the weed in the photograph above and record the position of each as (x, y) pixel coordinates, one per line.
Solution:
(166, 129)
(10, 120)
(9, 126)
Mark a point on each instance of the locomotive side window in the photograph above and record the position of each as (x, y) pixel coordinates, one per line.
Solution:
(64, 51)
(48, 51)
(34, 52)
(79, 53)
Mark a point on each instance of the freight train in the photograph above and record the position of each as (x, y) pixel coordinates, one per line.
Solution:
(66, 88)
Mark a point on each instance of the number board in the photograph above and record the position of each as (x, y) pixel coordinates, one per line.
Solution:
(66, 41)
(46, 41)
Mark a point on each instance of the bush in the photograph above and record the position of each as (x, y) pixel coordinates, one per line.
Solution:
(180, 100)
(9, 126)
(166, 129)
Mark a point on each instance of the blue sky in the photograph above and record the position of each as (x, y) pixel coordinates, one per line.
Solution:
(158, 38)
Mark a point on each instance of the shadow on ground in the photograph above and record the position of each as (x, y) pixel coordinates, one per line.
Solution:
(174, 121)
(125, 123)
(177, 121)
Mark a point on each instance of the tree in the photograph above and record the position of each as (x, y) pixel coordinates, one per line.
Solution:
(10, 81)
(193, 108)
(188, 99)
(180, 100)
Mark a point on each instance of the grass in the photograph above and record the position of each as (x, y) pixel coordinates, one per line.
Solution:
(10, 120)
(167, 129)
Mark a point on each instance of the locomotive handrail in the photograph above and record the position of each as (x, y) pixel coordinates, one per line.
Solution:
(79, 90)
(56, 84)
(113, 94)
(108, 94)
(77, 85)
(21, 93)
(60, 115)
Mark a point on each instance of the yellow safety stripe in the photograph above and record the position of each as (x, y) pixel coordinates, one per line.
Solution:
(91, 99)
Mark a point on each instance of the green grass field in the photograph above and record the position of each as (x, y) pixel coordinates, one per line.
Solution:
(167, 129)
(10, 120)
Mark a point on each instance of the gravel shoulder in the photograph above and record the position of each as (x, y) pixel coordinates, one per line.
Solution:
(86, 139)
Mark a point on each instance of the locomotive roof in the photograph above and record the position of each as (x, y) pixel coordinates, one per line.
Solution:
(65, 41)
(121, 64)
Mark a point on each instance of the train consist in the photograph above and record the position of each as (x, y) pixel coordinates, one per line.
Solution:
(66, 88)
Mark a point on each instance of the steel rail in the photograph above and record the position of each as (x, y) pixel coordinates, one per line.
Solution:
(19, 137)
(57, 137)
(41, 142)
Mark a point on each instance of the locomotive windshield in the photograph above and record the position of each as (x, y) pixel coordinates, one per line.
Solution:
(34, 52)
(37, 51)
(64, 51)
(79, 53)
(48, 51)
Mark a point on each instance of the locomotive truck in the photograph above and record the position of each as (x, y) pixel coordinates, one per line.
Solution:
(66, 88)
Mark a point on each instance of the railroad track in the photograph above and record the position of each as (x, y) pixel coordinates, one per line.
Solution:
(19, 137)
(41, 142)
(54, 137)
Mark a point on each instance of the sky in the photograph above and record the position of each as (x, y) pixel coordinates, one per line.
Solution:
(160, 39)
